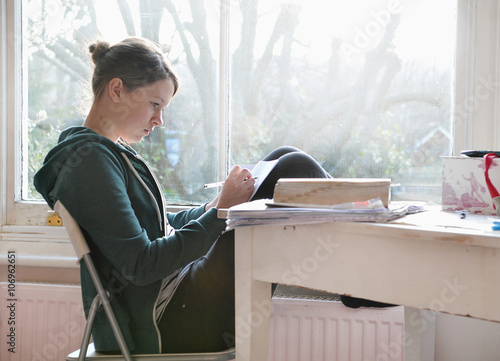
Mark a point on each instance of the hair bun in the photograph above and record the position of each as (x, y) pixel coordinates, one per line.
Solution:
(98, 49)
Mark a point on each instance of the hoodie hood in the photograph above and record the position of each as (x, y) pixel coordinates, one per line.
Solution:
(73, 144)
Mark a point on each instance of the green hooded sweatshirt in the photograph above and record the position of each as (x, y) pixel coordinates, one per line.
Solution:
(115, 198)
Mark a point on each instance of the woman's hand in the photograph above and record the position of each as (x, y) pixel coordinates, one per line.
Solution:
(237, 188)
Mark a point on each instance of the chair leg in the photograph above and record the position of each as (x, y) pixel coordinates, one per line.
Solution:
(88, 328)
(107, 308)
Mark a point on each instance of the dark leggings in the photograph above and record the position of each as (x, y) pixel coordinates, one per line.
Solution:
(200, 316)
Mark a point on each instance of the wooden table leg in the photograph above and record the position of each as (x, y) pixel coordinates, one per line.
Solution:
(420, 333)
(253, 304)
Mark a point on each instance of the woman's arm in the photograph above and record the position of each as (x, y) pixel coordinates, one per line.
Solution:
(95, 193)
(180, 219)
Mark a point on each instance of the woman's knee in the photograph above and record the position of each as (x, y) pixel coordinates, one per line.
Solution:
(281, 151)
(301, 165)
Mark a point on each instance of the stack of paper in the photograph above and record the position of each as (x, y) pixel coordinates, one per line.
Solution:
(263, 212)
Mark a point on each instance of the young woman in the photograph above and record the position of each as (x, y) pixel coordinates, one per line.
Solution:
(171, 275)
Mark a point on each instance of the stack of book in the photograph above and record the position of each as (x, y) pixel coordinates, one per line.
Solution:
(300, 201)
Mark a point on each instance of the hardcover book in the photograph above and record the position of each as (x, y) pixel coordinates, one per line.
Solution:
(331, 191)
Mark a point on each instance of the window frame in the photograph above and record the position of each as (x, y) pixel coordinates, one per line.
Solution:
(22, 222)
(477, 58)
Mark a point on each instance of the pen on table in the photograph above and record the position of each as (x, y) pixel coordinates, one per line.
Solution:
(496, 226)
(217, 184)
(462, 213)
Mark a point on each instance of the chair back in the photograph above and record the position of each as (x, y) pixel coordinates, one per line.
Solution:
(74, 231)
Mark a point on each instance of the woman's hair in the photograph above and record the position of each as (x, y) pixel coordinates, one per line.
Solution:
(137, 62)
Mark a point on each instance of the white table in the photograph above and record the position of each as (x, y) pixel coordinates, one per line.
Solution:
(421, 266)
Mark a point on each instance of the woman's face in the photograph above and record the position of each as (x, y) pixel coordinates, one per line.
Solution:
(140, 111)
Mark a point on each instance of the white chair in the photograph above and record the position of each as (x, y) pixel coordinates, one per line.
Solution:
(87, 351)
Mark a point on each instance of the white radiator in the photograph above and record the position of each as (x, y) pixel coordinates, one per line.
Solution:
(49, 322)
(310, 330)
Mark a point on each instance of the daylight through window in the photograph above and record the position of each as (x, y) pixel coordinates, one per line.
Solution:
(366, 87)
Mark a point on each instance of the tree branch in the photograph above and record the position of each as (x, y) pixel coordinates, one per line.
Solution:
(126, 16)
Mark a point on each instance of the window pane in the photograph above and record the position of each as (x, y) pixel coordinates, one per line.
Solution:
(56, 38)
(363, 86)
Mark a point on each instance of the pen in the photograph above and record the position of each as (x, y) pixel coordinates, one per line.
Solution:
(216, 184)
(213, 185)
(463, 213)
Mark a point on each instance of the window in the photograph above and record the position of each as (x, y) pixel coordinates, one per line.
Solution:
(184, 151)
(368, 88)
(354, 85)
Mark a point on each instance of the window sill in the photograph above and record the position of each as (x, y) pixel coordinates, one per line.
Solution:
(37, 246)
(40, 245)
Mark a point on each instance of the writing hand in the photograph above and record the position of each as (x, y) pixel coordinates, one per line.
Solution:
(237, 188)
